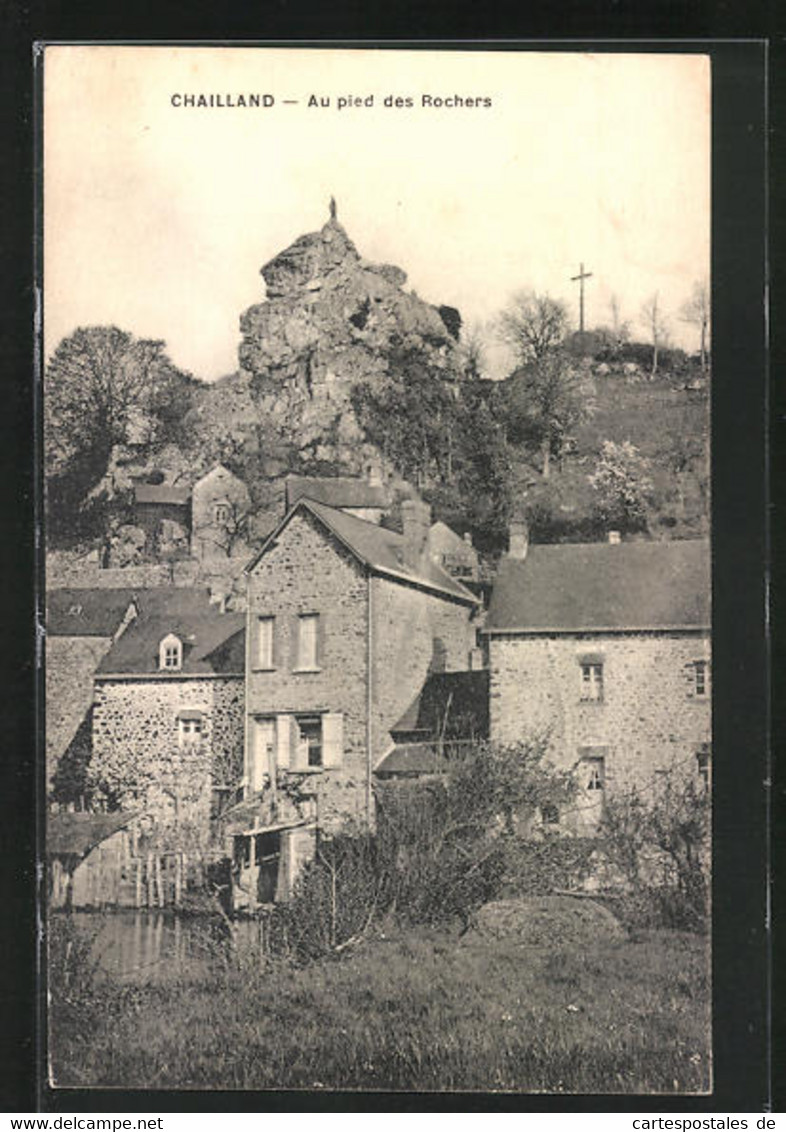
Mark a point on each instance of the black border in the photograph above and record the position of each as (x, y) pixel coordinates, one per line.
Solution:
(741, 960)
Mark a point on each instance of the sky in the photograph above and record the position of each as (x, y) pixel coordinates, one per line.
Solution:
(158, 217)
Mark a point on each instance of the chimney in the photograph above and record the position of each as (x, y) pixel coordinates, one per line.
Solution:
(468, 538)
(374, 475)
(614, 538)
(416, 521)
(518, 539)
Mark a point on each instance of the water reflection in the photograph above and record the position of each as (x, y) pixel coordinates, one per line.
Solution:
(154, 946)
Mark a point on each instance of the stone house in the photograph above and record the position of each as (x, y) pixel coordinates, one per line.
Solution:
(168, 715)
(81, 625)
(606, 647)
(455, 554)
(346, 619)
(220, 510)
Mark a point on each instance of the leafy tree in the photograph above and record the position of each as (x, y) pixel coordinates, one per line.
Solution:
(438, 430)
(622, 485)
(104, 388)
(544, 402)
(696, 310)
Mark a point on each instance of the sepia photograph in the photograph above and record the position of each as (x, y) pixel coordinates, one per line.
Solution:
(378, 659)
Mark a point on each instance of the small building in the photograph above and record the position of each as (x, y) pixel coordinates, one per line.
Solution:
(88, 858)
(605, 646)
(168, 715)
(454, 553)
(220, 513)
(163, 512)
(345, 621)
(365, 499)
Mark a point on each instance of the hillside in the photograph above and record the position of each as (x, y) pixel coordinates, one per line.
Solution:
(341, 369)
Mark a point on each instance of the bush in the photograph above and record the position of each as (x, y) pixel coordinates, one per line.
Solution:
(442, 848)
(659, 845)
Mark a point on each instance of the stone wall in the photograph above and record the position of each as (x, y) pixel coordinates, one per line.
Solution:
(415, 632)
(306, 572)
(137, 756)
(649, 719)
(70, 665)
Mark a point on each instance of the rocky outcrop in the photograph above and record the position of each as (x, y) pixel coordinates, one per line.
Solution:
(327, 323)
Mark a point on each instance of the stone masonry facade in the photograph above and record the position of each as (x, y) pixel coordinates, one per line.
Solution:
(141, 759)
(307, 572)
(649, 719)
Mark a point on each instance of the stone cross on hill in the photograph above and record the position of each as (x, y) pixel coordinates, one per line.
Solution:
(333, 208)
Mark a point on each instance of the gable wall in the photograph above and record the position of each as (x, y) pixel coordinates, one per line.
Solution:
(308, 572)
(70, 665)
(218, 486)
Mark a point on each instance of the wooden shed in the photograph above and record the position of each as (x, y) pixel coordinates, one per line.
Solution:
(89, 859)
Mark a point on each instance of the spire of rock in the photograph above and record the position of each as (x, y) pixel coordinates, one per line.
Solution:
(333, 208)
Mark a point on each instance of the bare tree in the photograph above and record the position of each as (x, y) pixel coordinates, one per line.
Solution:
(696, 310)
(534, 325)
(620, 327)
(652, 315)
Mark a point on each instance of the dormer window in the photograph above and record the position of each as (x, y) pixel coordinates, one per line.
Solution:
(170, 654)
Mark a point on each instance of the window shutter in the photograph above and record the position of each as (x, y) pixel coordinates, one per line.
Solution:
(283, 745)
(332, 739)
(320, 640)
(294, 641)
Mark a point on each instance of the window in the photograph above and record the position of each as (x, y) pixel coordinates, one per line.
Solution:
(170, 653)
(307, 637)
(592, 772)
(265, 627)
(549, 814)
(701, 678)
(222, 513)
(264, 740)
(592, 682)
(703, 766)
(309, 741)
(189, 729)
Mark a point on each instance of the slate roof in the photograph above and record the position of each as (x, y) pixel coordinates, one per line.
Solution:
(593, 586)
(164, 493)
(454, 705)
(213, 642)
(409, 760)
(74, 835)
(335, 491)
(375, 547)
(75, 612)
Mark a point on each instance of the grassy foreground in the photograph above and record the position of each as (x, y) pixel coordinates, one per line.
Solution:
(419, 1009)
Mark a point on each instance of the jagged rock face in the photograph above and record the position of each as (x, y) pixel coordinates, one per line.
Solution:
(326, 325)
